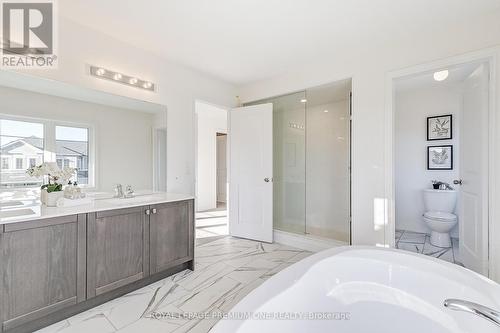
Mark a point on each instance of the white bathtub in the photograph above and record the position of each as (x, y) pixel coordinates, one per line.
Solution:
(365, 289)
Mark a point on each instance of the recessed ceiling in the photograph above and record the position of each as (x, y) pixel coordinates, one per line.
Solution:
(457, 75)
(243, 41)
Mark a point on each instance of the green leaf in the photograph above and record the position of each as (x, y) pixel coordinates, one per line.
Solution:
(54, 188)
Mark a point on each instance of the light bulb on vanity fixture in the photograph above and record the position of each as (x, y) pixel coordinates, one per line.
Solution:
(303, 100)
(441, 75)
(129, 80)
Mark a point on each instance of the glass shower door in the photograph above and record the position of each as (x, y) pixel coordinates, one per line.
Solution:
(289, 165)
(328, 160)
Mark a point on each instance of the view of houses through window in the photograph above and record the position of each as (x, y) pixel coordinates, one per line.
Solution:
(24, 145)
(72, 150)
(20, 141)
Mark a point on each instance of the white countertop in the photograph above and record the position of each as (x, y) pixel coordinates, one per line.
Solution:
(28, 208)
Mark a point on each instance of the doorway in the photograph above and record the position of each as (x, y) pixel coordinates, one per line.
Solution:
(441, 161)
(309, 134)
(211, 172)
(221, 159)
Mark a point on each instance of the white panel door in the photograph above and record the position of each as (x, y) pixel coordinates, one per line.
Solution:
(251, 172)
(473, 212)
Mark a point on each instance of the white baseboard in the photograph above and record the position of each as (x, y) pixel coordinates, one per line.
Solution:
(305, 242)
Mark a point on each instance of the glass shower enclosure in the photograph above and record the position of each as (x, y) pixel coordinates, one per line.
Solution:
(311, 161)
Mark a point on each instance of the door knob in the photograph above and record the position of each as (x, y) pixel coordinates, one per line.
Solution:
(266, 180)
(457, 182)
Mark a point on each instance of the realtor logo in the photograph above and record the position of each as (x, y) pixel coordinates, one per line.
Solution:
(28, 34)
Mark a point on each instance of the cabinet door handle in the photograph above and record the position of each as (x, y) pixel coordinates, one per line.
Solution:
(148, 212)
(154, 210)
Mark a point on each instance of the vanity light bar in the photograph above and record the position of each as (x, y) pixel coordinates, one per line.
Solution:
(132, 81)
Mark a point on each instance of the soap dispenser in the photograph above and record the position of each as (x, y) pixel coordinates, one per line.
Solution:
(68, 190)
(77, 191)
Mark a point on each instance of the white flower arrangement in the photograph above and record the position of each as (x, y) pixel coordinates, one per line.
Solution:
(55, 176)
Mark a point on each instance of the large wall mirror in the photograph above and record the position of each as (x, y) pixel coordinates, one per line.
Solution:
(109, 139)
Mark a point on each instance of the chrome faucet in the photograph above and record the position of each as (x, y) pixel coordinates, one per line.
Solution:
(118, 191)
(475, 308)
(129, 192)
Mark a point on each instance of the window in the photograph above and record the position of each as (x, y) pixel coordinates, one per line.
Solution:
(26, 144)
(18, 140)
(19, 163)
(72, 148)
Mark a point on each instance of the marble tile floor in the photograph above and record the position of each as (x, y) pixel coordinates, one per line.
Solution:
(227, 269)
(420, 243)
(211, 225)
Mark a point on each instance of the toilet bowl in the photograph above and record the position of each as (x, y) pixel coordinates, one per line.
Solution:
(439, 217)
(440, 224)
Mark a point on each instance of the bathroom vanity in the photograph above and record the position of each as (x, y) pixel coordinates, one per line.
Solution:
(57, 262)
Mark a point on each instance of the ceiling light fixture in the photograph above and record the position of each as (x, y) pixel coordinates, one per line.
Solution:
(303, 100)
(129, 80)
(326, 111)
(441, 75)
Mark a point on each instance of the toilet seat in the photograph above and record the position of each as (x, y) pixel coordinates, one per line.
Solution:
(441, 216)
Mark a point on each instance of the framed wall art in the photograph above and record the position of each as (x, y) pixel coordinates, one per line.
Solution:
(440, 157)
(440, 128)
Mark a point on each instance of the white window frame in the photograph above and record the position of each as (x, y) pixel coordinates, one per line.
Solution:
(49, 143)
(17, 159)
(8, 163)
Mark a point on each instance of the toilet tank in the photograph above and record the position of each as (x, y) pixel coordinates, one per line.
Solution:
(440, 200)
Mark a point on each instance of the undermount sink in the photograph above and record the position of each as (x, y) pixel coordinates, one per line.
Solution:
(16, 213)
(135, 199)
(7, 204)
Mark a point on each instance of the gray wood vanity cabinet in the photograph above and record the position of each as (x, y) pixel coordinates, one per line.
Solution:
(42, 268)
(53, 268)
(170, 237)
(118, 246)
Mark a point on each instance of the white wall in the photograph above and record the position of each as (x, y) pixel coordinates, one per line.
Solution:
(368, 64)
(412, 107)
(123, 137)
(327, 170)
(178, 88)
(211, 119)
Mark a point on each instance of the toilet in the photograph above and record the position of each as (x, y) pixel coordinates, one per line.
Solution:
(439, 215)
